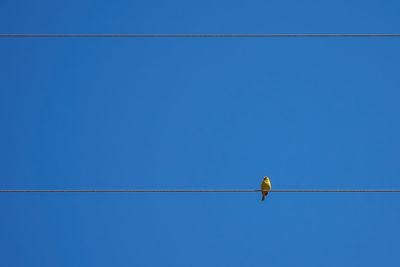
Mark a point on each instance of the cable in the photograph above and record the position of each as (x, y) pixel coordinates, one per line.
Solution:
(198, 190)
(196, 35)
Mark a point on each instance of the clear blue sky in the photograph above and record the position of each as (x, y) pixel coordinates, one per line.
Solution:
(199, 113)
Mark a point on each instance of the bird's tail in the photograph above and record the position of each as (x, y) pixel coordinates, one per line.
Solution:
(264, 194)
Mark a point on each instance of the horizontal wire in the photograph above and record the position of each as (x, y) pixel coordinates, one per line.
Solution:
(200, 35)
(198, 190)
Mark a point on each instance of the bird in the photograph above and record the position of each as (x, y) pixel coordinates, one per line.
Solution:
(265, 187)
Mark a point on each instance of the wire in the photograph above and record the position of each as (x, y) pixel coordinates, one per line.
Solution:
(199, 35)
(198, 191)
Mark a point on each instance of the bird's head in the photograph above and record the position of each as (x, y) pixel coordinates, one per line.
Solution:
(266, 178)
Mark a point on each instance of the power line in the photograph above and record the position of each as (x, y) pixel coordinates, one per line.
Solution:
(198, 190)
(198, 35)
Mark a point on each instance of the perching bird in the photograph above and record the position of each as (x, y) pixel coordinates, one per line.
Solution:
(265, 187)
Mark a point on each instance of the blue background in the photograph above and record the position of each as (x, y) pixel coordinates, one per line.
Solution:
(197, 114)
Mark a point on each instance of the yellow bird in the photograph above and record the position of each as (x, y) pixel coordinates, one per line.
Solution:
(265, 187)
